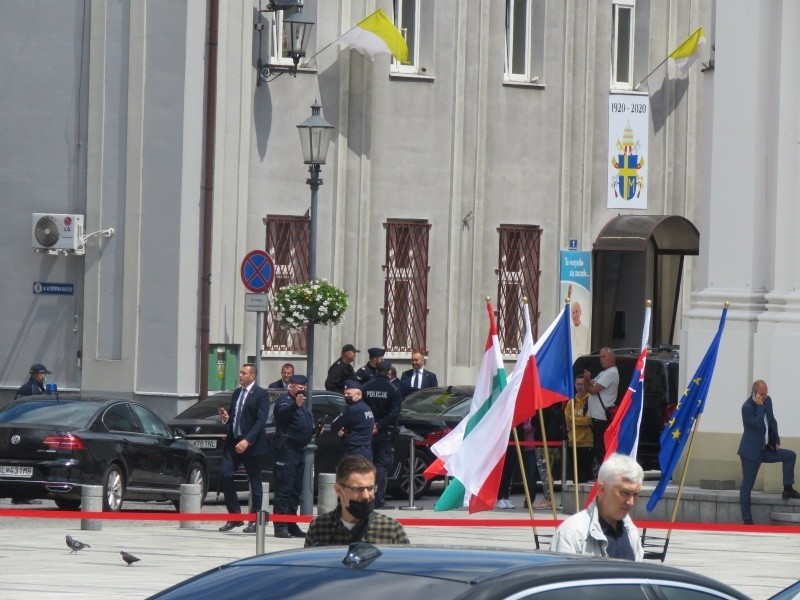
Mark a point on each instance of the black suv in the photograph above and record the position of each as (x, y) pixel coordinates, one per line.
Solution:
(660, 391)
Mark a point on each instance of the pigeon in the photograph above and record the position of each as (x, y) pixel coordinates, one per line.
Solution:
(75, 545)
(129, 558)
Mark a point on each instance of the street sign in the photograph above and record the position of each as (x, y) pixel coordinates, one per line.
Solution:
(256, 302)
(61, 289)
(258, 271)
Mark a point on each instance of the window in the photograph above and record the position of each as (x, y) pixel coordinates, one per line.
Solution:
(405, 311)
(288, 243)
(151, 423)
(406, 17)
(275, 40)
(524, 60)
(517, 277)
(623, 21)
(120, 418)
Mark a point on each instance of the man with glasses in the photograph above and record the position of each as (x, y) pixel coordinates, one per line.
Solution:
(354, 519)
(605, 528)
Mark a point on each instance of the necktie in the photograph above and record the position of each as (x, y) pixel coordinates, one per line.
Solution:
(417, 379)
(239, 403)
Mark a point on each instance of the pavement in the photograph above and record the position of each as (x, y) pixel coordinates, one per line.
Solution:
(36, 563)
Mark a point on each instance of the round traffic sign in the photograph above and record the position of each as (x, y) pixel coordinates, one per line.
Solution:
(258, 271)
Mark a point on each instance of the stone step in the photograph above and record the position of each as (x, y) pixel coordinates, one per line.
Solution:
(783, 517)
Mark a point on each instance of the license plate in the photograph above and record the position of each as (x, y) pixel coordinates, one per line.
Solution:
(12, 471)
(204, 444)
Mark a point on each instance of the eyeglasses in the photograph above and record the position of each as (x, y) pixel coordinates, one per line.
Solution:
(360, 489)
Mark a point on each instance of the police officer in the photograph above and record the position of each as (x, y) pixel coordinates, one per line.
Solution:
(341, 370)
(367, 373)
(385, 402)
(356, 424)
(294, 427)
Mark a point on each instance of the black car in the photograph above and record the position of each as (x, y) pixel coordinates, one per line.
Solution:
(51, 447)
(441, 573)
(660, 392)
(202, 427)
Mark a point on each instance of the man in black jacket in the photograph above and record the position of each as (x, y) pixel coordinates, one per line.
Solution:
(34, 385)
(341, 370)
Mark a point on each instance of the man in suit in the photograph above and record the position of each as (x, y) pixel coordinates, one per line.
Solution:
(418, 377)
(761, 444)
(245, 444)
(287, 371)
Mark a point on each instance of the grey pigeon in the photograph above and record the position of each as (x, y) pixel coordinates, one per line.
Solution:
(129, 558)
(75, 545)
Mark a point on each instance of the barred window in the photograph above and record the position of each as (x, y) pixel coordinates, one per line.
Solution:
(517, 277)
(405, 312)
(288, 243)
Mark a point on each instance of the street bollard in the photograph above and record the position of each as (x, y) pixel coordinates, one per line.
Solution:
(264, 499)
(326, 494)
(262, 518)
(92, 501)
(191, 502)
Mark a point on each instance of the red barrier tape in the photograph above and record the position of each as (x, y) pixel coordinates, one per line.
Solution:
(175, 516)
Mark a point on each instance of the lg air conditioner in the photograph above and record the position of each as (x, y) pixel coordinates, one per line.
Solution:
(57, 233)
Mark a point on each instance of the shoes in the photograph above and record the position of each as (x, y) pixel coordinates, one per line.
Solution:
(282, 533)
(747, 521)
(385, 506)
(297, 533)
(250, 528)
(231, 525)
(504, 503)
(790, 493)
(543, 505)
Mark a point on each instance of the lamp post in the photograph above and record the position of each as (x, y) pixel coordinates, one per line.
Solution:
(315, 136)
(296, 34)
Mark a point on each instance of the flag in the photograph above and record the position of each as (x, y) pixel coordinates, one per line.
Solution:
(691, 405)
(491, 380)
(622, 435)
(376, 34)
(686, 53)
(478, 462)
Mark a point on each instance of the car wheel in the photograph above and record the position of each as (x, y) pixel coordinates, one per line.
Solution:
(113, 489)
(67, 504)
(421, 486)
(197, 474)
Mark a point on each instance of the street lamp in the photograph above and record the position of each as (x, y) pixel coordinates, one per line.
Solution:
(296, 34)
(315, 137)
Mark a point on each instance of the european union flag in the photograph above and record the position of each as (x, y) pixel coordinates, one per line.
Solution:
(691, 404)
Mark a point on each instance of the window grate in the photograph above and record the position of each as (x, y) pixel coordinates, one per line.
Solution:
(288, 243)
(517, 276)
(405, 312)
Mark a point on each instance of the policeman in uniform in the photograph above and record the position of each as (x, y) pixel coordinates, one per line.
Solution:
(385, 402)
(368, 372)
(294, 428)
(356, 424)
(341, 370)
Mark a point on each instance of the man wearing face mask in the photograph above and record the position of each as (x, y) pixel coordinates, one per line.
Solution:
(353, 519)
(354, 426)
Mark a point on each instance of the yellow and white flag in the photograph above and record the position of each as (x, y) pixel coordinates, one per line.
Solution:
(376, 34)
(686, 53)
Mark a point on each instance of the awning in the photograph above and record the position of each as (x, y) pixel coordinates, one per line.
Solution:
(670, 234)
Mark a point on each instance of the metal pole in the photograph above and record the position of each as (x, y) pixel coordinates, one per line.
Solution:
(262, 518)
(412, 463)
(307, 497)
(259, 341)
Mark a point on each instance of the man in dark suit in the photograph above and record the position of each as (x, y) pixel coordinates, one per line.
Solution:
(287, 371)
(245, 444)
(419, 377)
(761, 444)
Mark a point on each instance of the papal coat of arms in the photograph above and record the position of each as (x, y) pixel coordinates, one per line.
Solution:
(629, 182)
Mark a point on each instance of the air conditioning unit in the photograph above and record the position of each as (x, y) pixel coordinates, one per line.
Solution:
(57, 233)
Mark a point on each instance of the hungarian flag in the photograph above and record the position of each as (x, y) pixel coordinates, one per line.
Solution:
(491, 381)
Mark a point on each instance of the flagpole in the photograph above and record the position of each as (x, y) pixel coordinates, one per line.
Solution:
(547, 464)
(567, 301)
(646, 77)
(525, 485)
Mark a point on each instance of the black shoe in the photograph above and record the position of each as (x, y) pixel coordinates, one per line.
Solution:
(231, 525)
(298, 533)
(790, 493)
(282, 533)
(250, 528)
(25, 501)
(748, 521)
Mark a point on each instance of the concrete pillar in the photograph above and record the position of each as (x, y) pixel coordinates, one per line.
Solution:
(326, 495)
(92, 501)
(191, 502)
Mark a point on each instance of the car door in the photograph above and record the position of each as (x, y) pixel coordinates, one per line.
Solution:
(165, 458)
(126, 433)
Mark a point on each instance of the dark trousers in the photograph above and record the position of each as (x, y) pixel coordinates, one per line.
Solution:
(382, 456)
(750, 471)
(585, 460)
(287, 475)
(365, 451)
(231, 461)
(598, 431)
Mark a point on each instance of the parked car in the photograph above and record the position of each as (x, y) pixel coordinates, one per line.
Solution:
(661, 389)
(51, 447)
(202, 427)
(416, 572)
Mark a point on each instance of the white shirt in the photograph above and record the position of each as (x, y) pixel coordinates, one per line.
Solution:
(609, 379)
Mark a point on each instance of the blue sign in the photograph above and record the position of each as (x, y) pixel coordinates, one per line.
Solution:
(573, 244)
(61, 289)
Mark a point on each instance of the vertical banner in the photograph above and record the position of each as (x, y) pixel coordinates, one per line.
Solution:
(628, 132)
(576, 270)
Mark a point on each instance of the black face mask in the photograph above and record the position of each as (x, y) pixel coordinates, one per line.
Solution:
(361, 509)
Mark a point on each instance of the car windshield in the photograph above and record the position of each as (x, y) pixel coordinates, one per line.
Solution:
(437, 402)
(70, 415)
(204, 410)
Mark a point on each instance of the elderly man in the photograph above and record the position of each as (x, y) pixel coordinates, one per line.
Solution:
(418, 377)
(579, 331)
(602, 396)
(762, 444)
(353, 520)
(605, 528)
